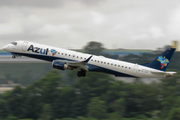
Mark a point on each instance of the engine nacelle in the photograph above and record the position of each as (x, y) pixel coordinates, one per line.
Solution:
(60, 65)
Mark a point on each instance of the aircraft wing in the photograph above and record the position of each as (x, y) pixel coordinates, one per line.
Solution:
(81, 64)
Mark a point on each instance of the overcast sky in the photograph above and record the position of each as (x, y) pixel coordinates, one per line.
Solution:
(131, 24)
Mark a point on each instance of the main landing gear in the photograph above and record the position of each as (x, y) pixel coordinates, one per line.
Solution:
(81, 73)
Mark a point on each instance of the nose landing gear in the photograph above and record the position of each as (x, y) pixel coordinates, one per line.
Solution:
(13, 56)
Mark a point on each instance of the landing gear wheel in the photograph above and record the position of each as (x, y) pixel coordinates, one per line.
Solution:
(13, 56)
(81, 73)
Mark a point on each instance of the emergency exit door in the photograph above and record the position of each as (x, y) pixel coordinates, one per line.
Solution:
(135, 69)
(24, 46)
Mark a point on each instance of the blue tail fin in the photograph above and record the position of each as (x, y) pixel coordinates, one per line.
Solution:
(163, 60)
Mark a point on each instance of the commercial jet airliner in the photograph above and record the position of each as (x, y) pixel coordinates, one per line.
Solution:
(66, 59)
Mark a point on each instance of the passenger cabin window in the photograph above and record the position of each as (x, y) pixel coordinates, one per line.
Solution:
(14, 43)
(69, 55)
(77, 56)
(81, 57)
(65, 54)
(118, 65)
(58, 52)
(91, 59)
(115, 65)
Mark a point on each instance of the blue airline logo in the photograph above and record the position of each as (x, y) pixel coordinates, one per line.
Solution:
(38, 50)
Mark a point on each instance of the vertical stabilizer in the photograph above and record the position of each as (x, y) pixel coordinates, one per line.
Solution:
(163, 60)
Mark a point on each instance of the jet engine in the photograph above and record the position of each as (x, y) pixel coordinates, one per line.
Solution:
(60, 65)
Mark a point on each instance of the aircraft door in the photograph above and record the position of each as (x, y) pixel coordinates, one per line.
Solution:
(24, 46)
(135, 69)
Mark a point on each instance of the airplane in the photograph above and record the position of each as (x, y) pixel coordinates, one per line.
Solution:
(64, 59)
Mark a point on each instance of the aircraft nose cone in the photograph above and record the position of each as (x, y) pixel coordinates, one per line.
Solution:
(5, 47)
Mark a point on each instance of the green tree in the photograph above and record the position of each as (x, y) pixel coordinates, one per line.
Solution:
(63, 103)
(47, 112)
(93, 85)
(3, 109)
(174, 114)
(27, 102)
(120, 107)
(67, 119)
(97, 108)
(94, 47)
(12, 118)
(13, 102)
(26, 119)
(170, 91)
(71, 77)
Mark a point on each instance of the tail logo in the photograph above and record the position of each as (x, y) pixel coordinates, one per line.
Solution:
(53, 52)
(163, 60)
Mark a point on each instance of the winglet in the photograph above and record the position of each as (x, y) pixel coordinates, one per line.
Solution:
(86, 61)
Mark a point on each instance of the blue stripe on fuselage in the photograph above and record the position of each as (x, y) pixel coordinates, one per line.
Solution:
(90, 66)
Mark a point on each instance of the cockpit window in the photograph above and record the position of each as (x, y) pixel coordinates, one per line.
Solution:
(14, 43)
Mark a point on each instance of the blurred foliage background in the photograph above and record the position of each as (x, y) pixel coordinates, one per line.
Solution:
(95, 97)
(50, 94)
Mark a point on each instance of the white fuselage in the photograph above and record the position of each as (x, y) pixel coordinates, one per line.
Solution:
(96, 63)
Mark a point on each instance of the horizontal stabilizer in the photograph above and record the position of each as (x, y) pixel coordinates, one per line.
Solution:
(158, 72)
(167, 74)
